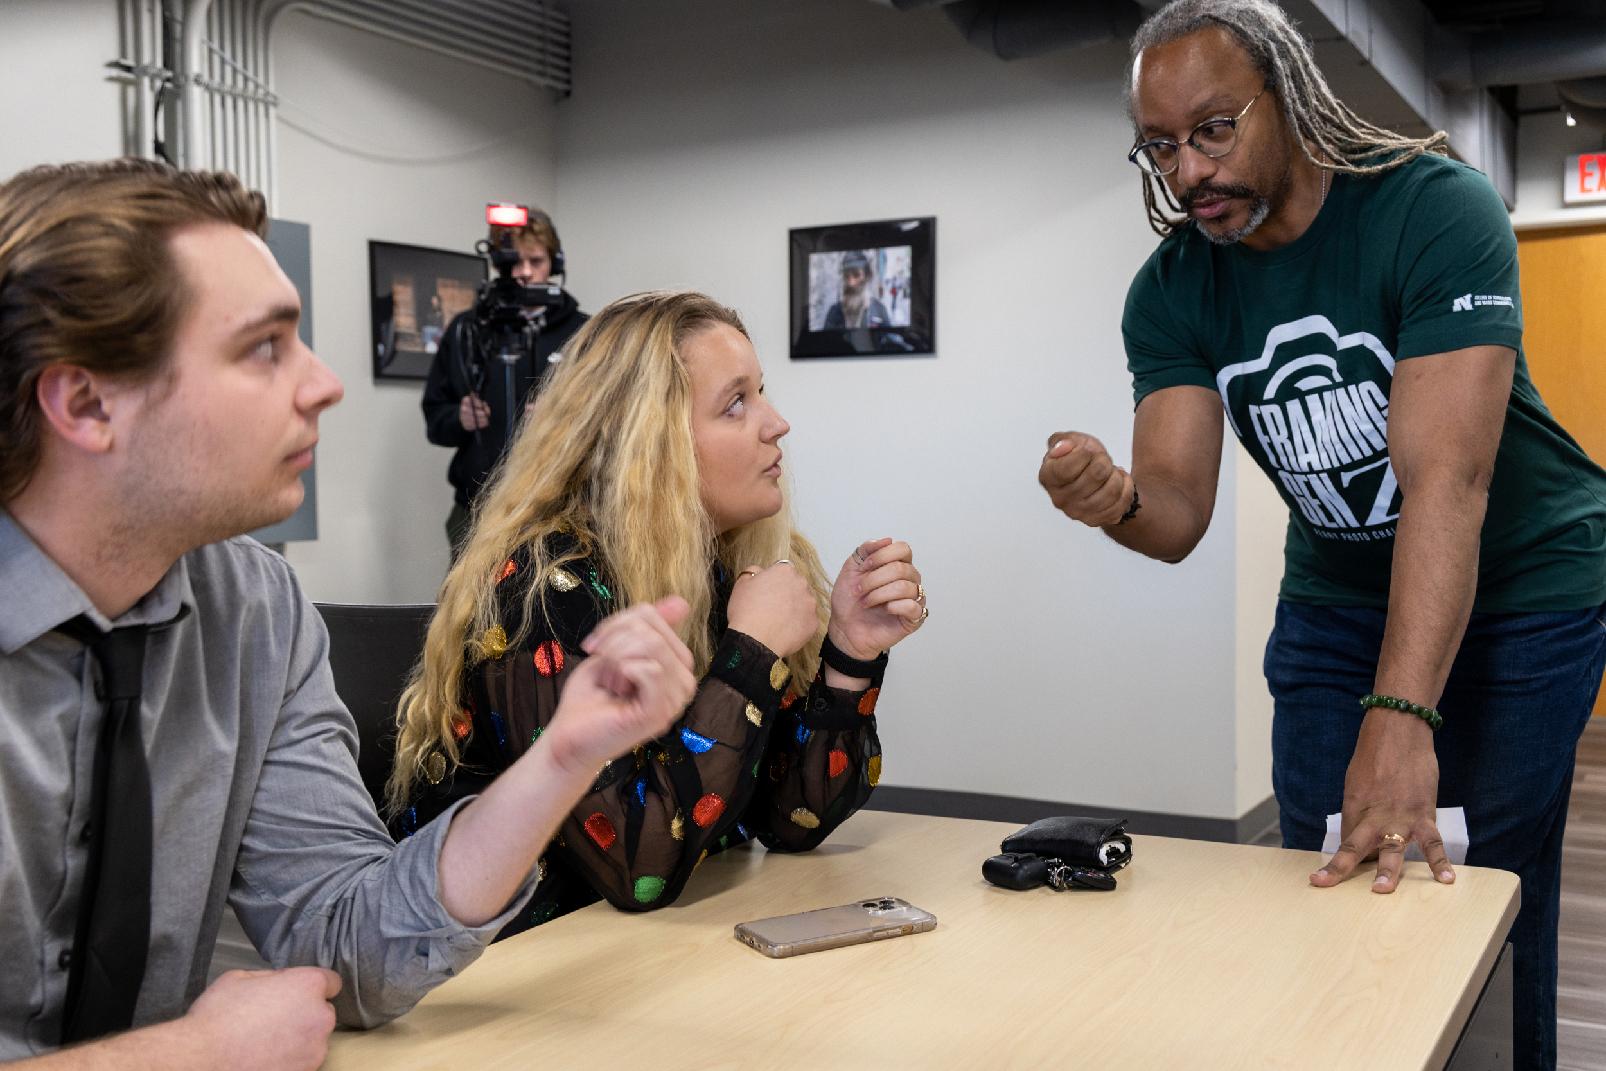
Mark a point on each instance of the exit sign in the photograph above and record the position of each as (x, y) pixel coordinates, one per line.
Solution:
(1584, 178)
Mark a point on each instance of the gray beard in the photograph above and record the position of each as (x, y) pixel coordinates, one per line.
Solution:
(1257, 215)
(853, 307)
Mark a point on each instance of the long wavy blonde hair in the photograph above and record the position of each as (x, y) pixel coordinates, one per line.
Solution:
(607, 456)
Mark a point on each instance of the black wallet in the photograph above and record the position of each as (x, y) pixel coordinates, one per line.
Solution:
(1086, 842)
(1064, 853)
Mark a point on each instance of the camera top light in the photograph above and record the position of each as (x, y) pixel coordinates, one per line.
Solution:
(507, 215)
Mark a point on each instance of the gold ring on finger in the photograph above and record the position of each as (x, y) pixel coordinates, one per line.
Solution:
(920, 595)
(1393, 840)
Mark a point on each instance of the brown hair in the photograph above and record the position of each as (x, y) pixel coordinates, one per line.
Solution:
(539, 228)
(87, 278)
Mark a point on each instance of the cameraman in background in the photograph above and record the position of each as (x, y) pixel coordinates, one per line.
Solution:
(466, 403)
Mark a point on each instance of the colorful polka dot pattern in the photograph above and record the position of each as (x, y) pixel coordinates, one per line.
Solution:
(805, 818)
(677, 826)
(868, 701)
(778, 768)
(649, 888)
(778, 674)
(838, 763)
(788, 699)
(435, 767)
(601, 830)
(708, 810)
(549, 658)
(754, 715)
(508, 569)
(494, 642)
(872, 770)
(563, 580)
(695, 742)
(463, 723)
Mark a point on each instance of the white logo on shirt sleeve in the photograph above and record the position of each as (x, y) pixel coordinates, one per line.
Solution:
(1465, 302)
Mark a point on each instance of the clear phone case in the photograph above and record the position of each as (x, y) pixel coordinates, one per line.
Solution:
(833, 927)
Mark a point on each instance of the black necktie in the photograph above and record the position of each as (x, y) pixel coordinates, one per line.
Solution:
(114, 908)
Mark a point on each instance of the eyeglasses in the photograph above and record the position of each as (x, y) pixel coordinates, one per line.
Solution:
(1214, 138)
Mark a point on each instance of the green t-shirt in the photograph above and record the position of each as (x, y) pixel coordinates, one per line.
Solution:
(1301, 343)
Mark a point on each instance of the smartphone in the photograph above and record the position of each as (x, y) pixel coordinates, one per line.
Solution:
(833, 927)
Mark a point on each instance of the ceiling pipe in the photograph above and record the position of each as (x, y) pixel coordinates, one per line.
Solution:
(194, 49)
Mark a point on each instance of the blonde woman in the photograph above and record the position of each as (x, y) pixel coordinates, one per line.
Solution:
(651, 467)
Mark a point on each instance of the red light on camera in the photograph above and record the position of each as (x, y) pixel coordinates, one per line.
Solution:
(507, 215)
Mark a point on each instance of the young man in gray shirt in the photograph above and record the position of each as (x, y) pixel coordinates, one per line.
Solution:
(173, 742)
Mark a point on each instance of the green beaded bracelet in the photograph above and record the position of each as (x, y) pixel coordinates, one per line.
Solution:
(1427, 714)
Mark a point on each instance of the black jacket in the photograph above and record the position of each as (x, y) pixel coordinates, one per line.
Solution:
(478, 452)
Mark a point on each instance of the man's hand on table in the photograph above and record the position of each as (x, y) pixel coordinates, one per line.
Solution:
(1392, 787)
(245, 1021)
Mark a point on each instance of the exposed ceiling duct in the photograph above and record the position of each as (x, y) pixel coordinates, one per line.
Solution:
(1511, 44)
(527, 39)
(1016, 29)
(1549, 51)
(1585, 98)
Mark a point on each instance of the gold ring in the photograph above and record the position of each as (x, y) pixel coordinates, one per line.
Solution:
(920, 594)
(1393, 840)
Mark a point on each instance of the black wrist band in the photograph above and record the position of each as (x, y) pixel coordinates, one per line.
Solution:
(832, 656)
(1132, 510)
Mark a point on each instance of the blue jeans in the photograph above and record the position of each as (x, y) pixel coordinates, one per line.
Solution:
(1518, 698)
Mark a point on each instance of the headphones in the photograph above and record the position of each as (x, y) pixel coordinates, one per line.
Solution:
(555, 254)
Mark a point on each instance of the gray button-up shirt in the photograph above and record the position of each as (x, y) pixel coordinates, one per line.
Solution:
(256, 799)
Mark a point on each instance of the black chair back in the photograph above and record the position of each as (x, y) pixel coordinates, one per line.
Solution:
(371, 651)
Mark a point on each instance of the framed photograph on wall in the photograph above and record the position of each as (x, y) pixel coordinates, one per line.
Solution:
(415, 293)
(865, 289)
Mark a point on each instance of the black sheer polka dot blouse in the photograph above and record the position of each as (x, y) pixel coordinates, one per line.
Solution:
(756, 754)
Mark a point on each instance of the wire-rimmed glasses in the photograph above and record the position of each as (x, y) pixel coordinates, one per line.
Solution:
(1214, 138)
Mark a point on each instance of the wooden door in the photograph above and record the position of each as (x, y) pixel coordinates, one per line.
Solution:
(1564, 332)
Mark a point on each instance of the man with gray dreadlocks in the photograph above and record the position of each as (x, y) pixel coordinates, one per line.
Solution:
(1351, 297)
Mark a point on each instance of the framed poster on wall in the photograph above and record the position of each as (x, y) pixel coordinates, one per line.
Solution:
(865, 289)
(416, 291)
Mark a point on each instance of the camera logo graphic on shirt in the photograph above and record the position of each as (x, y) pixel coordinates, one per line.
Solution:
(1317, 403)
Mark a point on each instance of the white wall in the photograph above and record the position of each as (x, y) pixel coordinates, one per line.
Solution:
(60, 103)
(1258, 560)
(379, 140)
(1055, 665)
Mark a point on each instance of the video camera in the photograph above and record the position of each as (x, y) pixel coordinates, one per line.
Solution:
(504, 298)
(508, 316)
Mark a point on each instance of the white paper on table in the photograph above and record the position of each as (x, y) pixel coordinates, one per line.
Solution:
(1452, 822)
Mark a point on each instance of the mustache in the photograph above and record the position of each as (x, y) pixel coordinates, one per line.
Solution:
(1215, 189)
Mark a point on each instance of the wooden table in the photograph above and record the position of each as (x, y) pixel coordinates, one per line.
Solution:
(1208, 955)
